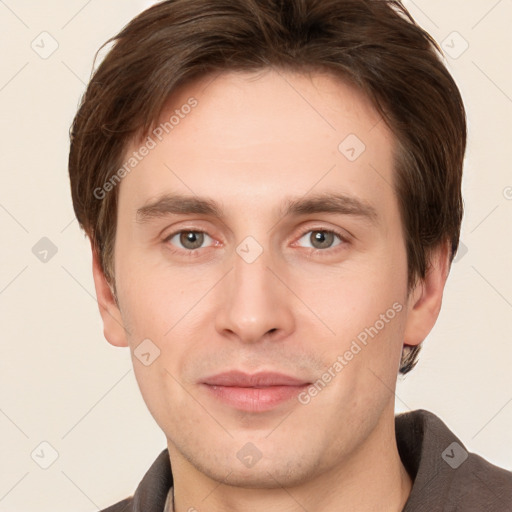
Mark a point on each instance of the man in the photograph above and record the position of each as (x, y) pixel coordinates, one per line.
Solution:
(272, 194)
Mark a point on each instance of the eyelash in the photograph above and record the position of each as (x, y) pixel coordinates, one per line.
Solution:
(194, 252)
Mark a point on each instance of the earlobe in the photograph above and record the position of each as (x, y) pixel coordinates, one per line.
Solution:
(113, 327)
(425, 300)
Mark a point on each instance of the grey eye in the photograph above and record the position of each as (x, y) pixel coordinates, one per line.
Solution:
(320, 239)
(189, 240)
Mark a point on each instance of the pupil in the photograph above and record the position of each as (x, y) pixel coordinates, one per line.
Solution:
(192, 240)
(321, 239)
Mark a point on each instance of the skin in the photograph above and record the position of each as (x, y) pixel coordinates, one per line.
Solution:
(254, 140)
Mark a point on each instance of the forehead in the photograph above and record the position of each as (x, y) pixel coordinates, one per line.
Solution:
(252, 137)
(309, 105)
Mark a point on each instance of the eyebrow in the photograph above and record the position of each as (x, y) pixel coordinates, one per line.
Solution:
(319, 203)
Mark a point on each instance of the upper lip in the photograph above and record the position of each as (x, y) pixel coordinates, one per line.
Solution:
(260, 379)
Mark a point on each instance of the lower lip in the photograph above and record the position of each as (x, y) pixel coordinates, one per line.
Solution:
(255, 399)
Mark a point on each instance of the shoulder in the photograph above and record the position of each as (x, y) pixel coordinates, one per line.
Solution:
(446, 475)
(477, 482)
(152, 491)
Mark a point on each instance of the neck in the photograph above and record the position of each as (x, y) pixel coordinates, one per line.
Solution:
(373, 478)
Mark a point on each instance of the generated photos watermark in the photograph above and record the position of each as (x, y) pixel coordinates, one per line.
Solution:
(343, 360)
(150, 143)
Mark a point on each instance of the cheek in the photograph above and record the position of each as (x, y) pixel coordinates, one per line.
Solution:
(158, 314)
(154, 297)
(167, 308)
(364, 305)
(353, 296)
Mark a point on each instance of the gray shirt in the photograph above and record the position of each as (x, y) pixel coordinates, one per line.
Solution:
(446, 478)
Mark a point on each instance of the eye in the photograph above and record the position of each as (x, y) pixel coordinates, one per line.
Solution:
(189, 240)
(322, 238)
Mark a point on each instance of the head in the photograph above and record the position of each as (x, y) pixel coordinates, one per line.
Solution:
(311, 154)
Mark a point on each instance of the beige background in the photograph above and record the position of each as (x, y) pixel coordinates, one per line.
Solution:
(62, 383)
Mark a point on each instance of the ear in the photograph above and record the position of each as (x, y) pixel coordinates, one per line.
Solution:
(113, 328)
(426, 298)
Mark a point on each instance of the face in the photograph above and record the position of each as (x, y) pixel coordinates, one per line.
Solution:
(259, 252)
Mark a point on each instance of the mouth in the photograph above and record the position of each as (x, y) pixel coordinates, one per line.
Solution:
(253, 393)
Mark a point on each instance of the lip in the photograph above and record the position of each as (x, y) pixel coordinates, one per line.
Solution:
(260, 380)
(258, 392)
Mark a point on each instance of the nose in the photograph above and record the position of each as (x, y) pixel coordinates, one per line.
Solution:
(256, 305)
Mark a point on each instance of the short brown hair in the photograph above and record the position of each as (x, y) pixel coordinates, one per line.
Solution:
(372, 44)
